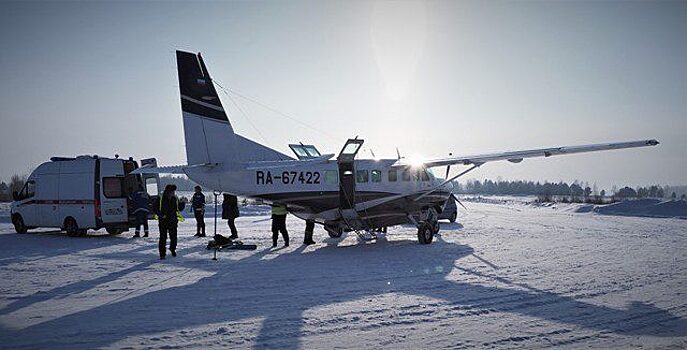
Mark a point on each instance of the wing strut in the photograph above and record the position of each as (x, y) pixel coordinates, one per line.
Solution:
(475, 166)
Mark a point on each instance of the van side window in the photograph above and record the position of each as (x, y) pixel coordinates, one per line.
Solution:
(405, 175)
(393, 175)
(112, 187)
(331, 177)
(28, 191)
(376, 175)
(361, 176)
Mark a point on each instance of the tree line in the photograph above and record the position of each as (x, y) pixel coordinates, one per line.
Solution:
(576, 192)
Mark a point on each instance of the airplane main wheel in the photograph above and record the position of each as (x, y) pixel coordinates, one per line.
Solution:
(425, 233)
(71, 227)
(19, 224)
(436, 227)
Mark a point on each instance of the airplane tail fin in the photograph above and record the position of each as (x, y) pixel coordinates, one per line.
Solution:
(209, 136)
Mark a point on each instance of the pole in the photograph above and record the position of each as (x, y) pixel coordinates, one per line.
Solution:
(214, 257)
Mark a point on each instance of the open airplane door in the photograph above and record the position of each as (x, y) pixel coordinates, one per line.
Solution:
(346, 163)
(151, 181)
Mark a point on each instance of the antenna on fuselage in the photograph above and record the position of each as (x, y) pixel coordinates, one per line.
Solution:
(448, 167)
(398, 153)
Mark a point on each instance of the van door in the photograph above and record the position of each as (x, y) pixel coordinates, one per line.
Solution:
(151, 181)
(26, 205)
(47, 195)
(113, 201)
(47, 189)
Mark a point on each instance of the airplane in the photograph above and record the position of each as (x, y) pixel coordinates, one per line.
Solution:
(342, 194)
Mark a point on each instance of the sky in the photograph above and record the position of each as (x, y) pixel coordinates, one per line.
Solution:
(427, 77)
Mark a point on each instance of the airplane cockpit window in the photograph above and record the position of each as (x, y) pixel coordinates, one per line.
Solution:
(393, 175)
(376, 175)
(405, 175)
(305, 151)
(312, 151)
(424, 175)
(300, 152)
(361, 176)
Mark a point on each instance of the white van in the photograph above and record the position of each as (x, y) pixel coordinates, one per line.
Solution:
(77, 194)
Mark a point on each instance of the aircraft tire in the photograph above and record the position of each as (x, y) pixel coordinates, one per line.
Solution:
(425, 233)
(335, 233)
(19, 225)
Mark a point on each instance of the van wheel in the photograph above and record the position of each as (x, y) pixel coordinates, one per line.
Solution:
(453, 217)
(114, 230)
(19, 225)
(425, 233)
(71, 227)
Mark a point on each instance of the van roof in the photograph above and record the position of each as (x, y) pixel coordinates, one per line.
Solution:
(81, 157)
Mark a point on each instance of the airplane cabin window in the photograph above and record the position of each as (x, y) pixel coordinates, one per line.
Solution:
(330, 177)
(376, 175)
(405, 175)
(393, 175)
(361, 176)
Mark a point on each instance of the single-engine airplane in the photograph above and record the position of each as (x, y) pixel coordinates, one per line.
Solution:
(344, 193)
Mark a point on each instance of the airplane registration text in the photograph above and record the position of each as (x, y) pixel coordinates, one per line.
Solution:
(288, 177)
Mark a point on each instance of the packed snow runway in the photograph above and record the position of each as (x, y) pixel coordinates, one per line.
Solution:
(509, 276)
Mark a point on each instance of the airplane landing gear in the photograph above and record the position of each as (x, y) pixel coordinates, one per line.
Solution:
(427, 226)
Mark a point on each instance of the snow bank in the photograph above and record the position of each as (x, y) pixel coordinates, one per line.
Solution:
(645, 207)
(5, 212)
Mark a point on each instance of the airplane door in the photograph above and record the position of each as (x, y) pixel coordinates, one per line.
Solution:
(347, 173)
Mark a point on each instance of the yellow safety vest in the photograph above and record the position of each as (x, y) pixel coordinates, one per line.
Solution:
(180, 217)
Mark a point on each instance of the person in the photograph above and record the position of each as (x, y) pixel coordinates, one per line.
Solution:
(230, 211)
(279, 224)
(140, 200)
(309, 229)
(168, 213)
(198, 208)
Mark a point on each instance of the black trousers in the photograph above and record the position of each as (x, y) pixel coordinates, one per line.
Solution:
(232, 227)
(309, 229)
(141, 220)
(165, 230)
(279, 225)
(200, 220)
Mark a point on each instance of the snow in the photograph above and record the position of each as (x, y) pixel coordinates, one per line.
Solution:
(509, 276)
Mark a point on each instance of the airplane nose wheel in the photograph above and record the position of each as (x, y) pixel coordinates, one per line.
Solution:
(425, 233)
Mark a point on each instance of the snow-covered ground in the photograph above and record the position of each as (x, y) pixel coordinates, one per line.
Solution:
(509, 276)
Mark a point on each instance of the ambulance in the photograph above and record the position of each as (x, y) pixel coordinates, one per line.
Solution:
(81, 193)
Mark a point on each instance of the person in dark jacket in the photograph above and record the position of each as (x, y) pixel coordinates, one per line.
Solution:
(230, 211)
(140, 201)
(168, 213)
(279, 224)
(198, 208)
(309, 230)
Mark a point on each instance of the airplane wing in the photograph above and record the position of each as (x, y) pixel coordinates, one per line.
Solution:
(172, 169)
(518, 156)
